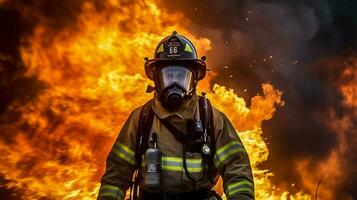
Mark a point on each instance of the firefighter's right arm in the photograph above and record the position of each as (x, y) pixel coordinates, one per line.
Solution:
(120, 162)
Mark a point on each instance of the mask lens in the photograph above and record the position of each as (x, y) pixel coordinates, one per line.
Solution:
(178, 75)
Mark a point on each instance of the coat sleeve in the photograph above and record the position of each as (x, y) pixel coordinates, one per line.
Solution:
(120, 162)
(233, 163)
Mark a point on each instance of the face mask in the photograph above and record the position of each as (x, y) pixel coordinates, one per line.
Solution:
(175, 83)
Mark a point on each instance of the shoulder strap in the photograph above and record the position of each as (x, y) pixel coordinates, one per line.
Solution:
(146, 119)
(206, 116)
(211, 128)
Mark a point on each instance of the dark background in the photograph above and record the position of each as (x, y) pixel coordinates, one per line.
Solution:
(289, 43)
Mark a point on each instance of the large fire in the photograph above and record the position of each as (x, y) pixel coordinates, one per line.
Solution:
(93, 75)
(330, 172)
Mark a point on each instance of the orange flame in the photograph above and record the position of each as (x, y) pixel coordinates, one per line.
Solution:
(94, 78)
(349, 90)
(331, 170)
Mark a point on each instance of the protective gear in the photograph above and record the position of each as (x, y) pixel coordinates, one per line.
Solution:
(175, 115)
(174, 85)
(230, 158)
(175, 70)
(152, 164)
(177, 50)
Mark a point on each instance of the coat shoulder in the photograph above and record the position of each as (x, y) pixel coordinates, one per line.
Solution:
(135, 114)
(219, 118)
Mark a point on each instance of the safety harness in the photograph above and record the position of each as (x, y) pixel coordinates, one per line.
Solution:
(142, 140)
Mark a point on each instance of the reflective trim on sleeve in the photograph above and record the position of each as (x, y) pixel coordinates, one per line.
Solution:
(223, 153)
(241, 186)
(111, 191)
(124, 152)
(176, 164)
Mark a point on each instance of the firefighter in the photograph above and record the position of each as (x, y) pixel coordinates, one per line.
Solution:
(176, 145)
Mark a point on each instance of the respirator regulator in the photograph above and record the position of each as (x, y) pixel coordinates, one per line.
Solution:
(174, 84)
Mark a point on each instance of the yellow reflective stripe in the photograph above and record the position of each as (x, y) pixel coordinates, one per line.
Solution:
(108, 194)
(191, 169)
(241, 190)
(231, 186)
(241, 186)
(194, 161)
(124, 157)
(176, 164)
(226, 151)
(194, 165)
(223, 158)
(180, 168)
(171, 159)
(220, 150)
(172, 168)
(124, 152)
(126, 149)
(179, 160)
(111, 191)
(110, 187)
(171, 163)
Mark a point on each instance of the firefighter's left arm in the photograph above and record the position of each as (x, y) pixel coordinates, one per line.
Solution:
(233, 163)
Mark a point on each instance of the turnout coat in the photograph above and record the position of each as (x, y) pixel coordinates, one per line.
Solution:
(230, 161)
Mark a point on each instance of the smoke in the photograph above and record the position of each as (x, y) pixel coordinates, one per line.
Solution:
(284, 42)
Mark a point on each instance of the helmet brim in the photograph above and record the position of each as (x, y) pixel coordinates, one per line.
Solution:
(194, 64)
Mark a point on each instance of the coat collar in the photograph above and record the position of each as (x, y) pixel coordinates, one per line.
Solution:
(187, 110)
